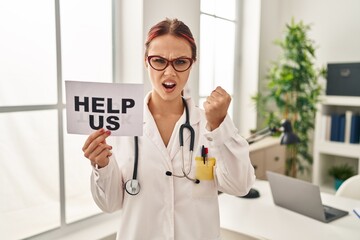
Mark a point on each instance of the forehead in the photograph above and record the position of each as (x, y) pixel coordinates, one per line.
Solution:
(169, 46)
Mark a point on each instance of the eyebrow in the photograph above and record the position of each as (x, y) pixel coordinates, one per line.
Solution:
(167, 58)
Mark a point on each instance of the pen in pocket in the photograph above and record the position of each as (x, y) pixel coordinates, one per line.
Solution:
(204, 152)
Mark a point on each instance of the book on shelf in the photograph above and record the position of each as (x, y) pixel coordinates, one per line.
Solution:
(355, 129)
(341, 127)
(337, 128)
(348, 115)
(341, 137)
(325, 127)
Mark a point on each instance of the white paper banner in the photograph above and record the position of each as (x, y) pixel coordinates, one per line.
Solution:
(112, 106)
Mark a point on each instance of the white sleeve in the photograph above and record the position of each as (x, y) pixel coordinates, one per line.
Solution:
(107, 187)
(234, 173)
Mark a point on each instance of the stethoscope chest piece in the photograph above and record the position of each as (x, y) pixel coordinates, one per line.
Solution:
(132, 187)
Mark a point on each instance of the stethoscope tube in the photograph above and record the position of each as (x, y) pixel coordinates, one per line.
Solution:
(191, 149)
(132, 186)
(189, 127)
(136, 147)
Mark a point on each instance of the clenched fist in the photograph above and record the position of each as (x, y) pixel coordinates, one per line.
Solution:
(216, 106)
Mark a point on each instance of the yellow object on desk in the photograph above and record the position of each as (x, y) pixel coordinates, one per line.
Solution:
(204, 170)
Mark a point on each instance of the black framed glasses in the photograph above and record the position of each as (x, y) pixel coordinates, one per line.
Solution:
(179, 64)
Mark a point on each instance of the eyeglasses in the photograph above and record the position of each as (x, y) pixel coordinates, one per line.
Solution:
(179, 64)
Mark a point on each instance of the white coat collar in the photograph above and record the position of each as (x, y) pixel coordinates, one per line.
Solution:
(150, 128)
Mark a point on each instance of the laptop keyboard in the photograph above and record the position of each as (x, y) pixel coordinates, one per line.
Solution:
(327, 210)
(329, 215)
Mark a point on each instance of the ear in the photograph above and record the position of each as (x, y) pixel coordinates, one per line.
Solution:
(145, 62)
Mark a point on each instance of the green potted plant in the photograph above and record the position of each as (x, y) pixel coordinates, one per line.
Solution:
(292, 92)
(340, 173)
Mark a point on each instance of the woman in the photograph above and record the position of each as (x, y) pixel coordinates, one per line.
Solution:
(178, 196)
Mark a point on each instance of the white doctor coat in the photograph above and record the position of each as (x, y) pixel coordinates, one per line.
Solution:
(168, 207)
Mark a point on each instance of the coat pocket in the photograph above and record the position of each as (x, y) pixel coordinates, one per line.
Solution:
(204, 168)
(204, 171)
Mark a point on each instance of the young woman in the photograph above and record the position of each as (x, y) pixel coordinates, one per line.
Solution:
(179, 187)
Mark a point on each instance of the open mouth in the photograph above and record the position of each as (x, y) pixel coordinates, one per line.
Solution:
(169, 85)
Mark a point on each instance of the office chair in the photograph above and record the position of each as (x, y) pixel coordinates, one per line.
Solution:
(350, 188)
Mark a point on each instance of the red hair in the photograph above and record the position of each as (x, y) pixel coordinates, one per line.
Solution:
(174, 27)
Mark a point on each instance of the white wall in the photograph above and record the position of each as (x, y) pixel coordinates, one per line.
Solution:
(335, 28)
(270, 29)
(249, 65)
(128, 24)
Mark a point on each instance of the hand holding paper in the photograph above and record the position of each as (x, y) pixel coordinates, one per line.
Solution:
(96, 149)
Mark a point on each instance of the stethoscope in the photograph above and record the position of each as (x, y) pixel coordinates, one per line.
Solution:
(132, 186)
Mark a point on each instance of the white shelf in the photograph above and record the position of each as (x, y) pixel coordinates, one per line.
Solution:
(340, 101)
(339, 149)
(328, 153)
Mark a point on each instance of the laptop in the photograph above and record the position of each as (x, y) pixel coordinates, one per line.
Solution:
(301, 197)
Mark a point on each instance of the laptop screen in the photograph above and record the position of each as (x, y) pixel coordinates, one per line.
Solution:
(298, 196)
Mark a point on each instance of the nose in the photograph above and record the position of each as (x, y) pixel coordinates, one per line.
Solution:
(169, 70)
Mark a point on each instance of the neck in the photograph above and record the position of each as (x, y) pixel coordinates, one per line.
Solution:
(157, 105)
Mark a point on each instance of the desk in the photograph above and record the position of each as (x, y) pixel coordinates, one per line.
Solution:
(268, 155)
(261, 217)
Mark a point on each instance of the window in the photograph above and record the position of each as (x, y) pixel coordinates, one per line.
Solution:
(217, 43)
(86, 50)
(44, 176)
